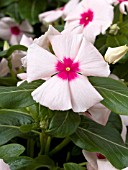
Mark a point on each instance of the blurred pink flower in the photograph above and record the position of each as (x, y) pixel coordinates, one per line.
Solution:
(51, 16)
(3, 165)
(86, 18)
(68, 86)
(11, 31)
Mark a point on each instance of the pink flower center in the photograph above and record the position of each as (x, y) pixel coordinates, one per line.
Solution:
(120, 1)
(100, 156)
(67, 69)
(15, 30)
(86, 17)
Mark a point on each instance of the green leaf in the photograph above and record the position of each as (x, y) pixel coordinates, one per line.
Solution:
(4, 3)
(114, 121)
(94, 137)
(63, 123)
(114, 92)
(17, 97)
(121, 70)
(41, 161)
(7, 53)
(11, 150)
(116, 40)
(10, 122)
(16, 163)
(124, 27)
(30, 9)
(7, 81)
(100, 44)
(73, 166)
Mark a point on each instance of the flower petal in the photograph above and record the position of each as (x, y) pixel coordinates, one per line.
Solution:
(66, 45)
(3, 165)
(104, 164)
(83, 94)
(4, 70)
(40, 63)
(50, 16)
(54, 93)
(26, 27)
(91, 61)
(99, 113)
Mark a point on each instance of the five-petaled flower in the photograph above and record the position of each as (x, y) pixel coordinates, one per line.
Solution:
(68, 86)
(12, 31)
(90, 18)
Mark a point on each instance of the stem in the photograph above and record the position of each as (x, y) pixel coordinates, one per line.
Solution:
(47, 146)
(10, 67)
(83, 163)
(60, 146)
(30, 147)
(42, 144)
(121, 18)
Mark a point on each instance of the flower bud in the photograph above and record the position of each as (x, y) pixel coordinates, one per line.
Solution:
(114, 29)
(113, 55)
(6, 45)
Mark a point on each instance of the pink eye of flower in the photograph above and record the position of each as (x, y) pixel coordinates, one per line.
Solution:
(15, 30)
(86, 17)
(100, 156)
(120, 1)
(67, 69)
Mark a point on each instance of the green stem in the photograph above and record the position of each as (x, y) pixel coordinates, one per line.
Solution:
(10, 67)
(47, 146)
(60, 146)
(121, 18)
(30, 147)
(83, 163)
(42, 143)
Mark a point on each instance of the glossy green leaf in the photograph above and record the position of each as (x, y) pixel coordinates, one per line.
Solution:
(94, 137)
(73, 166)
(16, 163)
(11, 150)
(30, 9)
(63, 123)
(41, 161)
(10, 122)
(114, 92)
(17, 97)
(116, 40)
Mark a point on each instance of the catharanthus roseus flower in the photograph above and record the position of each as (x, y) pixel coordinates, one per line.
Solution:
(123, 5)
(11, 31)
(68, 86)
(3, 165)
(51, 16)
(86, 18)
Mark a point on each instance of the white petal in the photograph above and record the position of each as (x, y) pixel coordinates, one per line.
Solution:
(66, 45)
(54, 94)
(26, 41)
(40, 63)
(14, 39)
(99, 113)
(83, 94)
(4, 70)
(26, 27)
(91, 159)
(43, 41)
(3, 165)
(50, 16)
(104, 165)
(91, 61)
(5, 32)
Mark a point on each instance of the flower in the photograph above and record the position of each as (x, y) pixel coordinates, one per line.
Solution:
(123, 5)
(16, 57)
(11, 31)
(86, 18)
(3, 165)
(113, 55)
(97, 161)
(51, 16)
(68, 86)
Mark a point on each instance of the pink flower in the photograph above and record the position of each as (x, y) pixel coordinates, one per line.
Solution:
(68, 86)
(97, 161)
(11, 31)
(90, 18)
(51, 16)
(3, 165)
